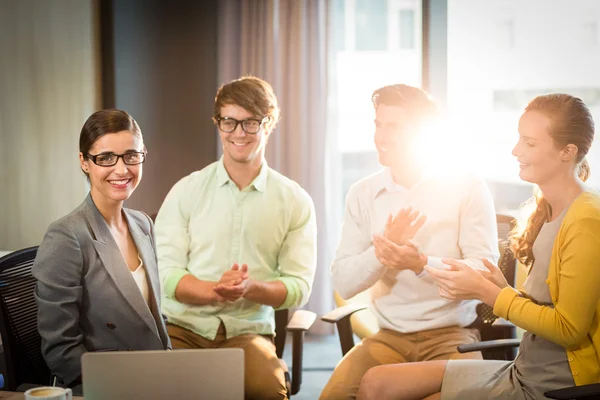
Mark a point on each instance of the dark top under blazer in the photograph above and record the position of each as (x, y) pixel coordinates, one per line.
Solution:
(87, 297)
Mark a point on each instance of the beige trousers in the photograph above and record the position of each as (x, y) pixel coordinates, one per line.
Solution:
(264, 375)
(391, 347)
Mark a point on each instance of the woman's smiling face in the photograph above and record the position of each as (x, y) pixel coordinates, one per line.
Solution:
(116, 182)
(536, 151)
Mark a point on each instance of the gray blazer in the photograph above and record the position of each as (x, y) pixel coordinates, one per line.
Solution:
(86, 295)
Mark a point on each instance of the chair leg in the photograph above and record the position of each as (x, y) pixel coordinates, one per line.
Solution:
(297, 355)
(346, 335)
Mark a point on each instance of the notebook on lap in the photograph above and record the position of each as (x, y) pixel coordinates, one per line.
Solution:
(159, 375)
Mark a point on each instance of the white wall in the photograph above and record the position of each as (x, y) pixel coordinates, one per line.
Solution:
(48, 88)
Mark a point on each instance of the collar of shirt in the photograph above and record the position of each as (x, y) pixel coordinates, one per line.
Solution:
(259, 183)
(386, 183)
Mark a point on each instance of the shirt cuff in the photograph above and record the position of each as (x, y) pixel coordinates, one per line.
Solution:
(433, 262)
(436, 262)
(172, 280)
(294, 293)
(504, 300)
(424, 271)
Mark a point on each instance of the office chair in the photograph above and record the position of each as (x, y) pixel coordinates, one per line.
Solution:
(25, 366)
(301, 321)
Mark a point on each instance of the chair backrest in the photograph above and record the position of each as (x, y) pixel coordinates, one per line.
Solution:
(18, 321)
(507, 264)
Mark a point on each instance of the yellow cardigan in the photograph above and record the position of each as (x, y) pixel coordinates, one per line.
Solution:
(574, 283)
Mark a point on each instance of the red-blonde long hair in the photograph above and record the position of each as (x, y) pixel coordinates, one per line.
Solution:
(571, 123)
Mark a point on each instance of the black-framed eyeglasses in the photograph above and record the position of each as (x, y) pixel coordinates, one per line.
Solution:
(110, 159)
(249, 125)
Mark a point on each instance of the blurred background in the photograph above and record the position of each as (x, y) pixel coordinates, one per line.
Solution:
(162, 61)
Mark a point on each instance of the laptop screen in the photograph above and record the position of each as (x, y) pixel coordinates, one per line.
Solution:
(159, 375)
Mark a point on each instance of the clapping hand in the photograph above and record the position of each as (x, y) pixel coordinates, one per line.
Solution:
(398, 257)
(395, 248)
(461, 282)
(494, 274)
(233, 283)
(404, 226)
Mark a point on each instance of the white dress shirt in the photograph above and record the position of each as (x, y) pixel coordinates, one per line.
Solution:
(461, 224)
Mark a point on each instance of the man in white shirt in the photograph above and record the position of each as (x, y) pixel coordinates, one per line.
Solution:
(376, 253)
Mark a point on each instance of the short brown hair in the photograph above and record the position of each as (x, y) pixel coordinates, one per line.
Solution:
(416, 100)
(251, 93)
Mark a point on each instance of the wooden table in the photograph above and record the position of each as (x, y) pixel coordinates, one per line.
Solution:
(21, 396)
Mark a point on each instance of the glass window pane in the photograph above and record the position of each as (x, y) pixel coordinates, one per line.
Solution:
(365, 53)
(500, 56)
(371, 25)
(407, 29)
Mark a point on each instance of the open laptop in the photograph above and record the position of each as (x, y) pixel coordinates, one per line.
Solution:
(213, 374)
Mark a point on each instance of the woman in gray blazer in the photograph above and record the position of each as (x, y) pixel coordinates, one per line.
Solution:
(96, 269)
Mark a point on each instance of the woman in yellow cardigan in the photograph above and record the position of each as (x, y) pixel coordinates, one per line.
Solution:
(560, 306)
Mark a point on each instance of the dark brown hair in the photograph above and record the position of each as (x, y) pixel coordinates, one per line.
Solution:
(571, 123)
(251, 93)
(104, 122)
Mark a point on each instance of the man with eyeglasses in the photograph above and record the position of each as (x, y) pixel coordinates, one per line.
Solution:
(237, 240)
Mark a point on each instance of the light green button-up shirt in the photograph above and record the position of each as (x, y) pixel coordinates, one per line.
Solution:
(206, 224)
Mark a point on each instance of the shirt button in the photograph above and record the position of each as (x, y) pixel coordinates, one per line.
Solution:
(575, 373)
(547, 281)
(554, 299)
(111, 325)
(570, 359)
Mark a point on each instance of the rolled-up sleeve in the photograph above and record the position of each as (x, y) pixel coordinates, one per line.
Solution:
(172, 237)
(298, 256)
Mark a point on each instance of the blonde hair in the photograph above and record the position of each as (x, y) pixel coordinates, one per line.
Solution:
(572, 123)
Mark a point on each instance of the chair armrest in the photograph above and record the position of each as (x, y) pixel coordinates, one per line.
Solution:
(502, 323)
(341, 318)
(488, 345)
(334, 316)
(575, 392)
(302, 320)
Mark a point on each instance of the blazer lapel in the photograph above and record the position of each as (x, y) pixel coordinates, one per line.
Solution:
(115, 265)
(144, 245)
